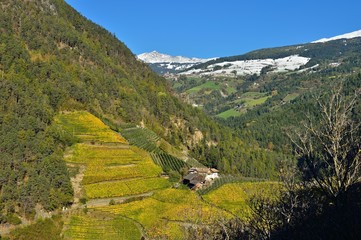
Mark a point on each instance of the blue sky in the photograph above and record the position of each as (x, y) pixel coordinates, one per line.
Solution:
(216, 28)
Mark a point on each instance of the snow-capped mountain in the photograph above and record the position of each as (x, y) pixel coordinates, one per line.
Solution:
(164, 63)
(156, 57)
(343, 36)
(282, 59)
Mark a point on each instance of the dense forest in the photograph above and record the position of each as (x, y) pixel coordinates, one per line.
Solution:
(51, 60)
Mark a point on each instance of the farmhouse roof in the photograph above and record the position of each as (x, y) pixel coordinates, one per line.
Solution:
(190, 176)
(197, 179)
(204, 170)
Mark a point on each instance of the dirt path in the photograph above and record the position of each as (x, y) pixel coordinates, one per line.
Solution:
(102, 202)
(122, 180)
(140, 227)
(121, 165)
(5, 229)
(108, 145)
(187, 224)
(76, 183)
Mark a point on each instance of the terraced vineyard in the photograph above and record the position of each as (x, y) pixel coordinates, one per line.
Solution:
(112, 169)
(87, 127)
(110, 163)
(234, 196)
(167, 161)
(116, 171)
(125, 187)
(149, 141)
(100, 226)
(142, 138)
(194, 163)
(144, 203)
(164, 213)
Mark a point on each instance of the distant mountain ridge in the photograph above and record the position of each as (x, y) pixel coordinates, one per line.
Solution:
(164, 63)
(350, 35)
(287, 58)
(156, 57)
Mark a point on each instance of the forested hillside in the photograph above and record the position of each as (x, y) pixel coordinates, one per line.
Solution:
(54, 60)
(263, 105)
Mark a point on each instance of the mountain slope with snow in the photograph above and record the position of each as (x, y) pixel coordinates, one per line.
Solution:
(250, 67)
(164, 63)
(156, 57)
(284, 59)
(288, 58)
(350, 35)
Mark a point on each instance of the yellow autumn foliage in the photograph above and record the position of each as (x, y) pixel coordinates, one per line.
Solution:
(161, 213)
(234, 196)
(87, 127)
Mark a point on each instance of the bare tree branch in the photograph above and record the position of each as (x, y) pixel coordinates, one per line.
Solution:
(331, 145)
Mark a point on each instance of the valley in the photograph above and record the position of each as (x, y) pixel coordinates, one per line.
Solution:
(247, 101)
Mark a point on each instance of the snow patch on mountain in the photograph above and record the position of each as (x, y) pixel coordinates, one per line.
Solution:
(156, 57)
(164, 63)
(250, 67)
(343, 36)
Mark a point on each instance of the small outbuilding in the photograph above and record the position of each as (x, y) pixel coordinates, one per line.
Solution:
(196, 183)
(188, 178)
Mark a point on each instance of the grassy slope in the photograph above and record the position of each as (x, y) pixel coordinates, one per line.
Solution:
(249, 99)
(208, 85)
(229, 113)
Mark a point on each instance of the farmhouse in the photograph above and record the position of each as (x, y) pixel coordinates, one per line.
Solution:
(193, 180)
(209, 173)
(197, 177)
